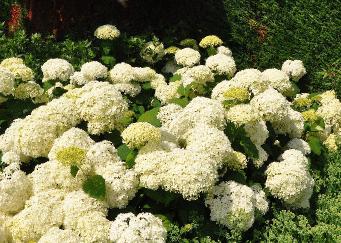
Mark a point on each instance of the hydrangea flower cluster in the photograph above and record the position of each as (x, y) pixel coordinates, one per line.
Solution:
(205, 128)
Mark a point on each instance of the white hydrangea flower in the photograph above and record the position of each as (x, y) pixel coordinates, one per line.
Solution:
(100, 104)
(158, 81)
(77, 78)
(290, 181)
(330, 110)
(11, 61)
(54, 175)
(260, 202)
(292, 124)
(224, 50)
(42, 211)
(180, 170)
(187, 57)
(15, 189)
(28, 90)
(262, 157)
(107, 32)
(121, 183)
(77, 204)
(210, 141)
(22, 72)
(122, 73)
(71, 147)
(294, 69)
(221, 64)
(5, 234)
(57, 235)
(128, 88)
(219, 90)
(10, 158)
(232, 205)
(199, 110)
(243, 114)
(331, 143)
(279, 80)
(294, 155)
(94, 70)
(257, 131)
(165, 93)
(300, 145)
(7, 81)
(145, 227)
(271, 105)
(197, 75)
(57, 69)
(168, 113)
(236, 160)
(143, 74)
(251, 79)
(152, 52)
(93, 227)
(138, 134)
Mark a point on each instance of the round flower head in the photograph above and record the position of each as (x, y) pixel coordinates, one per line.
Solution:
(28, 90)
(210, 41)
(11, 61)
(167, 92)
(232, 205)
(168, 112)
(224, 50)
(57, 69)
(197, 76)
(57, 235)
(7, 81)
(139, 134)
(122, 73)
(145, 227)
(152, 52)
(77, 78)
(187, 57)
(22, 72)
(171, 50)
(236, 160)
(294, 69)
(331, 143)
(279, 80)
(290, 181)
(128, 88)
(243, 114)
(144, 74)
(221, 64)
(94, 70)
(300, 145)
(107, 32)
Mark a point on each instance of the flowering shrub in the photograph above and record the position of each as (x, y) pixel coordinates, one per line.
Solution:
(186, 149)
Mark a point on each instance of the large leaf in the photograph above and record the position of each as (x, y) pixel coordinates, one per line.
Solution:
(126, 154)
(161, 196)
(315, 145)
(249, 148)
(151, 117)
(94, 186)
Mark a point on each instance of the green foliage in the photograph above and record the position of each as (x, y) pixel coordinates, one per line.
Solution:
(95, 187)
(74, 170)
(126, 154)
(151, 117)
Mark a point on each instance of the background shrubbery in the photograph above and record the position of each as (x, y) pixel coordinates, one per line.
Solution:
(261, 34)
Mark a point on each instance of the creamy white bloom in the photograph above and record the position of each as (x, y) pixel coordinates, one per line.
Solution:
(122, 73)
(77, 78)
(168, 112)
(158, 81)
(94, 70)
(243, 114)
(197, 76)
(128, 88)
(28, 90)
(107, 32)
(166, 92)
(294, 69)
(290, 181)
(260, 202)
(257, 131)
(236, 160)
(292, 124)
(10, 158)
(271, 105)
(138, 134)
(57, 69)
(294, 155)
(262, 157)
(224, 50)
(233, 205)
(186, 172)
(144, 74)
(21, 72)
(279, 80)
(187, 57)
(145, 227)
(300, 145)
(221, 64)
(57, 235)
(42, 211)
(11, 61)
(15, 189)
(7, 81)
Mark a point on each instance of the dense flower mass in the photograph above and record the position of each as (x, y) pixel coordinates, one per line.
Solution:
(102, 154)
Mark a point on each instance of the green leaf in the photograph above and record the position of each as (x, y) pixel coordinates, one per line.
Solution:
(48, 84)
(180, 101)
(184, 91)
(249, 148)
(58, 91)
(127, 155)
(74, 170)
(161, 196)
(175, 77)
(108, 60)
(211, 51)
(130, 159)
(151, 117)
(94, 186)
(315, 145)
(146, 86)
